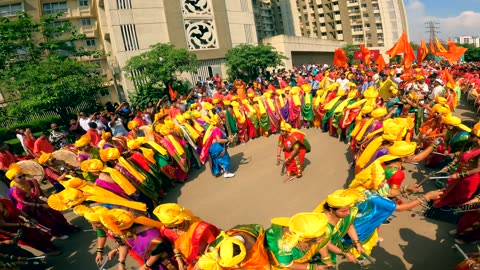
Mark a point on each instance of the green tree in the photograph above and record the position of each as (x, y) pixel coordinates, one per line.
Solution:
(414, 45)
(152, 71)
(349, 51)
(472, 54)
(52, 85)
(245, 61)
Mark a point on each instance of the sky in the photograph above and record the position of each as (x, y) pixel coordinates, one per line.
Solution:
(454, 18)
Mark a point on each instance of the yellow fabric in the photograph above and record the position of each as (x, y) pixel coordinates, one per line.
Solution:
(362, 131)
(187, 115)
(352, 94)
(368, 246)
(65, 199)
(455, 121)
(369, 178)
(133, 144)
(368, 152)
(305, 225)
(139, 176)
(148, 222)
(441, 108)
(132, 124)
(210, 261)
(236, 110)
(90, 214)
(402, 148)
(171, 214)
(92, 165)
(318, 97)
(13, 170)
(44, 158)
(249, 107)
(106, 135)
(440, 100)
(261, 106)
(178, 147)
(222, 255)
(357, 104)
(332, 102)
(366, 109)
(342, 105)
(117, 220)
(379, 112)
(307, 88)
(226, 102)
(296, 98)
(285, 126)
(340, 198)
(413, 96)
(120, 180)
(370, 93)
(84, 140)
(148, 154)
(108, 154)
(162, 151)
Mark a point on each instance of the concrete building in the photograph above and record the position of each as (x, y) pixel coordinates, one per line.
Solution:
(121, 29)
(374, 23)
(475, 41)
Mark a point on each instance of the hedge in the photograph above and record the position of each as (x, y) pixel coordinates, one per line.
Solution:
(35, 126)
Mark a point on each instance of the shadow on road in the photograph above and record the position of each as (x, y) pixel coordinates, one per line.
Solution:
(384, 261)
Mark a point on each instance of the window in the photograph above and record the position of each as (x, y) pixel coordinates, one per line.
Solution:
(124, 4)
(86, 22)
(90, 42)
(83, 3)
(129, 36)
(57, 24)
(53, 8)
(10, 10)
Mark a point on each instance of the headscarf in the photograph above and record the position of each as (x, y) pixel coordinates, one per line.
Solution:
(84, 140)
(191, 131)
(399, 149)
(288, 128)
(379, 112)
(369, 178)
(455, 121)
(95, 166)
(106, 135)
(340, 198)
(118, 220)
(307, 88)
(13, 170)
(44, 158)
(90, 214)
(137, 144)
(113, 154)
(236, 110)
(132, 124)
(222, 256)
(66, 199)
(172, 214)
(296, 98)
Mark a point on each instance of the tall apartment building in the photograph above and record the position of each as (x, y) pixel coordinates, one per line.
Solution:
(122, 29)
(374, 23)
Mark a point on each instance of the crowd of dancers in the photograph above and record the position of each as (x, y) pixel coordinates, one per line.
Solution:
(116, 182)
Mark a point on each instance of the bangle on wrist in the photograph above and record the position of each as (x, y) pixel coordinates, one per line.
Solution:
(100, 250)
(147, 265)
(121, 262)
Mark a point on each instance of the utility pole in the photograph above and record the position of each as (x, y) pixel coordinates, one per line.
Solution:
(432, 29)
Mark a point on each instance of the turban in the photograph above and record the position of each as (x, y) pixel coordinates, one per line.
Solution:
(420, 77)
(352, 93)
(305, 226)
(132, 124)
(295, 90)
(171, 214)
(13, 170)
(147, 153)
(340, 198)
(133, 144)
(441, 108)
(187, 115)
(413, 96)
(366, 109)
(341, 93)
(92, 165)
(223, 255)
(214, 120)
(280, 92)
(440, 100)
(106, 135)
(196, 114)
(117, 220)
(164, 130)
(306, 87)
(90, 214)
(399, 149)
(84, 140)
(455, 121)
(193, 106)
(208, 106)
(66, 199)
(393, 90)
(371, 92)
(393, 131)
(284, 126)
(215, 100)
(234, 98)
(379, 112)
(476, 129)
(369, 178)
(44, 158)
(109, 154)
(74, 183)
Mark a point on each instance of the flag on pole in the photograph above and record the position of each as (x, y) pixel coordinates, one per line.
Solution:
(422, 51)
(440, 46)
(403, 46)
(340, 58)
(380, 62)
(365, 54)
(173, 93)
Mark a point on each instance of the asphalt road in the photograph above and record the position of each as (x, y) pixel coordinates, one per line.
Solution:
(256, 194)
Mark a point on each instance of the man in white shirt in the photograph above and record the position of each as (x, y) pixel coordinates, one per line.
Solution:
(343, 82)
(438, 89)
(83, 121)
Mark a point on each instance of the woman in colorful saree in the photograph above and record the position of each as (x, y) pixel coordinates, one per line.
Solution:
(294, 145)
(141, 236)
(375, 207)
(188, 233)
(457, 134)
(340, 211)
(299, 242)
(241, 247)
(214, 148)
(175, 147)
(27, 196)
(12, 220)
(85, 152)
(465, 174)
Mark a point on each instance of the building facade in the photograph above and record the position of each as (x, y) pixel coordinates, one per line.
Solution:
(475, 41)
(121, 29)
(373, 23)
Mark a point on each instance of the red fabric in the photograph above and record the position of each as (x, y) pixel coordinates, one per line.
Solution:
(6, 159)
(140, 161)
(43, 145)
(31, 237)
(288, 144)
(94, 136)
(396, 179)
(468, 227)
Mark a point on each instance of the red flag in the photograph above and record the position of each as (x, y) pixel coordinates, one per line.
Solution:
(422, 51)
(340, 58)
(173, 93)
(380, 62)
(365, 54)
(447, 79)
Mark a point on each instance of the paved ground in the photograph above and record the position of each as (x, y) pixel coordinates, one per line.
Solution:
(257, 194)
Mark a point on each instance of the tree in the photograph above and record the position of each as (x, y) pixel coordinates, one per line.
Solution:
(472, 54)
(245, 61)
(152, 71)
(349, 51)
(414, 45)
(53, 85)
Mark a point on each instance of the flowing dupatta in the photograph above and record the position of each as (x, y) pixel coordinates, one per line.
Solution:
(211, 133)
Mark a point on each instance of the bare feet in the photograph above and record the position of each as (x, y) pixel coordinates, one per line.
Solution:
(288, 179)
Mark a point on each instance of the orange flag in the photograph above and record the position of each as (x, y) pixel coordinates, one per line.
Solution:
(432, 48)
(409, 55)
(447, 79)
(173, 94)
(340, 58)
(403, 46)
(422, 51)
(454, 52)
(440, 46)
(380, 62)
(365, 54)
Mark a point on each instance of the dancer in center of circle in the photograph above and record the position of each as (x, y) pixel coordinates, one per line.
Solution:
(294, 145)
